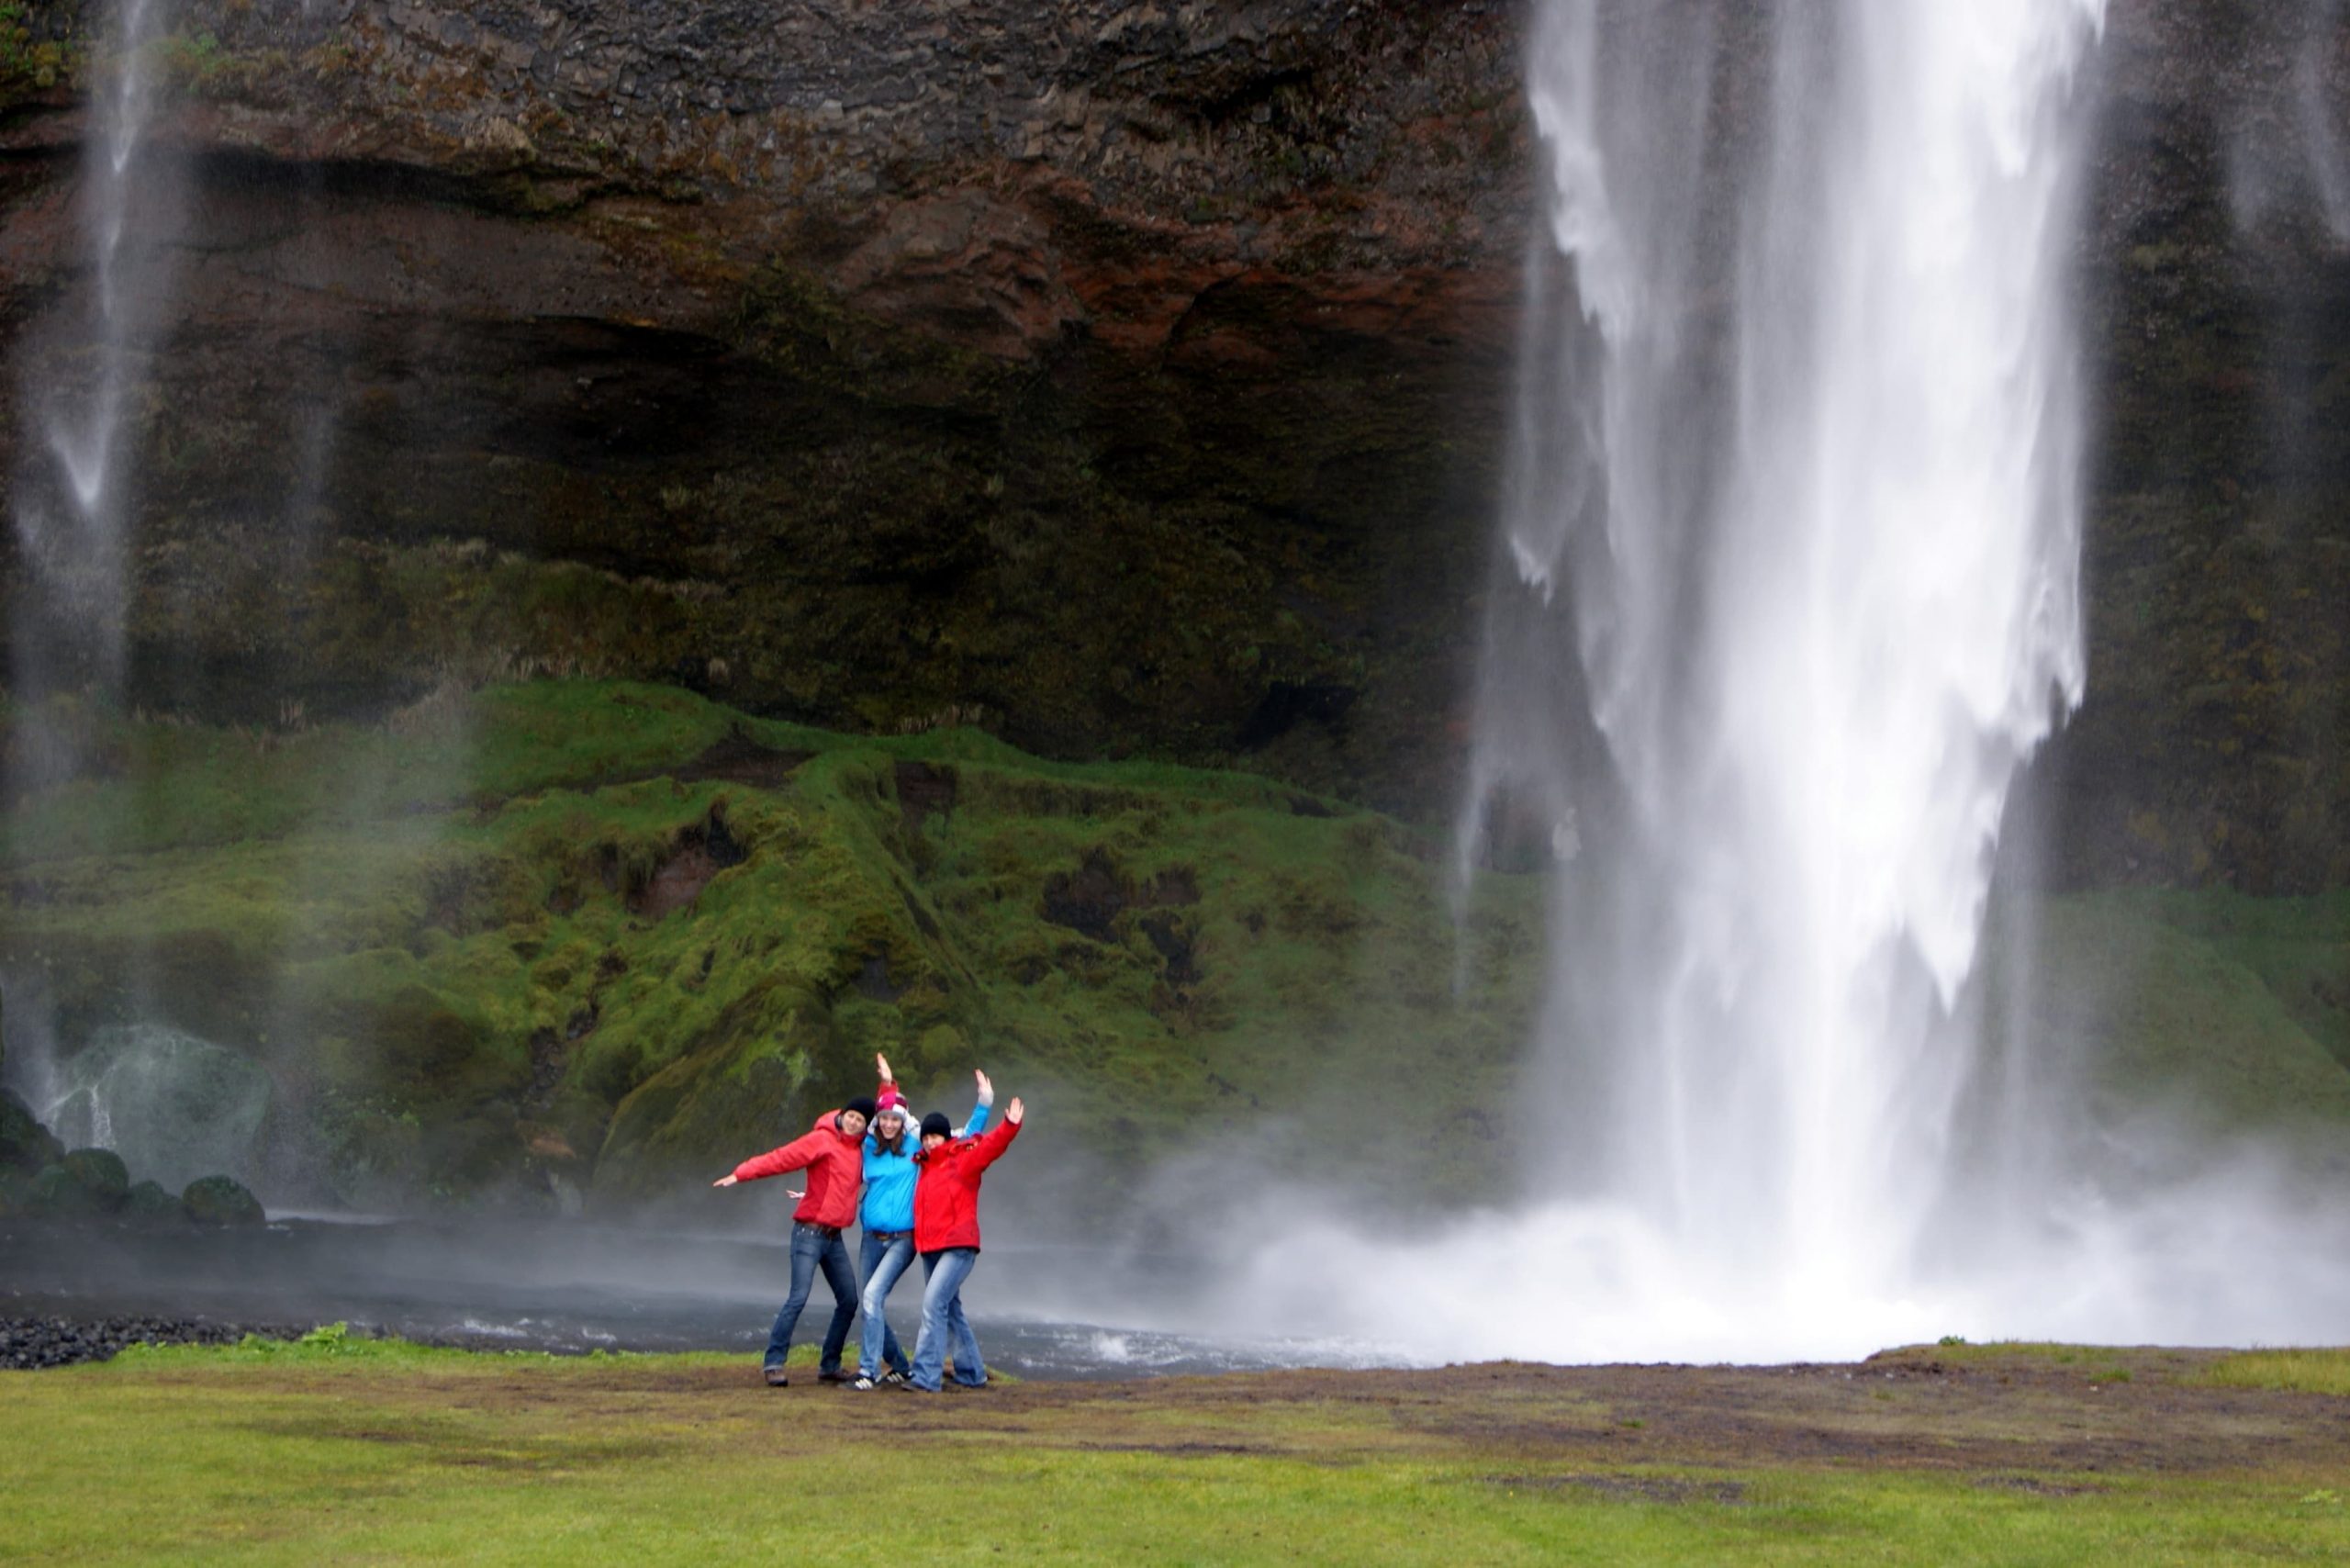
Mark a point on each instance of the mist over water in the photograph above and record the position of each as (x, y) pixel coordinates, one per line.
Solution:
(1791, 594)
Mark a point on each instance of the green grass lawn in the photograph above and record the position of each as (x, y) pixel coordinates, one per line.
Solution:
(389, 1454)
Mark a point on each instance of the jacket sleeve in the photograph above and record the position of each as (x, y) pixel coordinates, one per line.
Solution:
(979, 1122)
(797, 1155)
(992, 1146)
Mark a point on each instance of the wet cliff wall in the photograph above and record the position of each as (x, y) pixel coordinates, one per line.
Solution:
(1131, 378)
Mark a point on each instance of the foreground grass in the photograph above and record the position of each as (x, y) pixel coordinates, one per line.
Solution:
(2303, 1371)
(393, 1454)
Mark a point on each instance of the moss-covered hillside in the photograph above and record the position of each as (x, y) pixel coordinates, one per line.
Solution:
(608, 938)
(616, 934)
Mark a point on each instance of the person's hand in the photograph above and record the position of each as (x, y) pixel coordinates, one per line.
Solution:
(795, 1191)
(725, 1180)
(1015, 1111)
(883, 1063)
(987, 1089)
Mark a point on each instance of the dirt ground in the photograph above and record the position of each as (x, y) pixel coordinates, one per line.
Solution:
(2031, 1420)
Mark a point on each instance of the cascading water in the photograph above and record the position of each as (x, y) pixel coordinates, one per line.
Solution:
(71, 517)
(1812, 549)
(1789, 592)
(83, 370)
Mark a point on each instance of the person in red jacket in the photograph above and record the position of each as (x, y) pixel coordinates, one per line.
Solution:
(947, 1234)
(832, 1153)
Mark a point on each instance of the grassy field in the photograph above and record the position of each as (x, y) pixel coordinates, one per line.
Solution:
(387, 1453)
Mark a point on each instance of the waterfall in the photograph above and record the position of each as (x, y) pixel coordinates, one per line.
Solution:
(81, 372)
(1795, 530)
(1787, 592)
(72, 513)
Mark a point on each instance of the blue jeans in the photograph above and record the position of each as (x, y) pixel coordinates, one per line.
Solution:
(942, 1318)
(813, 1249)
(881, 1262)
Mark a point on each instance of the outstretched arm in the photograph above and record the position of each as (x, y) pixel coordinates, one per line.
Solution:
(797, 1155)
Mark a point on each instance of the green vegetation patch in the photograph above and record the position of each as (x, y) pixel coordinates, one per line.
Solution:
(603, 935)
(2305, 1371)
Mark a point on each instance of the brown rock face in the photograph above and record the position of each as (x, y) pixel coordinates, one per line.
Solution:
(1130, 378)
(1101, 371)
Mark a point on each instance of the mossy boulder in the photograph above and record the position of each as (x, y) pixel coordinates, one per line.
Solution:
(55, 1194)
(149, 1204)
(102, 1172)
(221, 1200)
(24, 1144)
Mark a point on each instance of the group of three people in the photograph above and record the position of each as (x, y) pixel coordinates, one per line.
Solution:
(912, 1193)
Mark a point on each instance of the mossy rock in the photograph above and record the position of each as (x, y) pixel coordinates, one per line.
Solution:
(221, 1200)
(25, 1145)
(149, 1204)
(16, 1194)
(55, 1194)
(102, 1172)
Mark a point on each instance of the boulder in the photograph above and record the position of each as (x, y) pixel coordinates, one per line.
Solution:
(24, 1144)
(102, 1173)
(148, 1203)
(221, 1200)
(55, 1194)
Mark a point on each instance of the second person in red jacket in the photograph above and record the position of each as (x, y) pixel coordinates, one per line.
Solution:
(832, 1153)
(947, 1234)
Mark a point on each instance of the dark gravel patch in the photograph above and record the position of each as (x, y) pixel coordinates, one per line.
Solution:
(33, 1344)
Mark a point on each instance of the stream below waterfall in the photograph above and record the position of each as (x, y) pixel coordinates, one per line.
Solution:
(573, 1287)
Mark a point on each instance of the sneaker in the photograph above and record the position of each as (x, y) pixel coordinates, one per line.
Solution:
(894, 1378)
(777, 1378)
(864, 1385)
(835, 1375)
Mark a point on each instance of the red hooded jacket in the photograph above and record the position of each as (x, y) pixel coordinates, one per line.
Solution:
(834, 1163)
(947, 1199)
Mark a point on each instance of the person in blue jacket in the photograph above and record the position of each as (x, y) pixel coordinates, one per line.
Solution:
(886, 1216)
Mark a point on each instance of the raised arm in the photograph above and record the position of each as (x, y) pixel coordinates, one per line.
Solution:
(979, 1122)
(999, 1137)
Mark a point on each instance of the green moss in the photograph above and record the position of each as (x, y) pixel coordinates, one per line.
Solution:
(449, 931)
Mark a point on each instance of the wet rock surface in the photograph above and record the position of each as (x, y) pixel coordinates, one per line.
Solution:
(34, 1343)
(1135, 375)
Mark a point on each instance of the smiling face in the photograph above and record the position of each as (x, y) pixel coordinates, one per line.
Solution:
(890, 1123)
(932, 1140)
(852, 1122)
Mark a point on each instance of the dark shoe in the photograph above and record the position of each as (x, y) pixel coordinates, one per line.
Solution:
(896, 1377)
(777, 1378)
(864, 1385)
(835, 1375)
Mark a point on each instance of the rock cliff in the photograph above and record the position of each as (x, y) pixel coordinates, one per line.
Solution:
(1129, 378)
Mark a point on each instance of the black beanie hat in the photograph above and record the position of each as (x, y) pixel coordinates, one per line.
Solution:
(862, 1105)
(935, 1124)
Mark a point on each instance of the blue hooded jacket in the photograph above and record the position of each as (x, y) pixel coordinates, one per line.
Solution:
(889, 1178)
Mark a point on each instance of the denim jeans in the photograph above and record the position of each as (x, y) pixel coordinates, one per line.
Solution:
(942, 1318)
(881, 1262)
(813, 1249)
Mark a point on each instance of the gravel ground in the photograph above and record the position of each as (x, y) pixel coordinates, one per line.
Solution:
(29, 1344)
